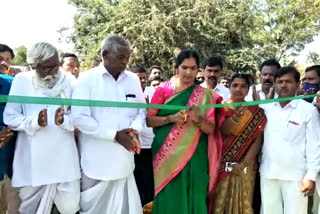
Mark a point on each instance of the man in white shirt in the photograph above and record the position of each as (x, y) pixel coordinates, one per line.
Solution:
(108, 136)
(46, 163)
(265, 90)
(290, 153)
(212, 68)
(143, 171)
(70, 63)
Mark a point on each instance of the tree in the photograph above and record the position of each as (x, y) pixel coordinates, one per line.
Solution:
(314, 58)
(20, 56)
(242, 32)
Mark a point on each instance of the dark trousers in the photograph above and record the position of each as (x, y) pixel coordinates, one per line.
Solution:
(143, 174)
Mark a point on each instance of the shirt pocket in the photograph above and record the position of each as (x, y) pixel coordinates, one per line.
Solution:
(294, 130)
(131, 112)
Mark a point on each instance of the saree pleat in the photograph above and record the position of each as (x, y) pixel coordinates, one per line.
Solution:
(234, 193)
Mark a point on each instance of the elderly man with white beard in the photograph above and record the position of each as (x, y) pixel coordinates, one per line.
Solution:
(46, 163)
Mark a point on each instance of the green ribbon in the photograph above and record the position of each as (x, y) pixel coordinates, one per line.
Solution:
(100, 103)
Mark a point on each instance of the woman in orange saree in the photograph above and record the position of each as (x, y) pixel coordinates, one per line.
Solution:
(187, 144)
(241, 133)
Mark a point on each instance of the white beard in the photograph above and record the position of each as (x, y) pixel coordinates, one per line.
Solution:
(47, 82)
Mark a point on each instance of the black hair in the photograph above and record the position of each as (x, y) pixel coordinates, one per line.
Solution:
(213, 61)
(156, 67)
(152, 78)
(137, 69)
(315, 68)
(223, 78)
(66, 55)
(288, 70)
(186, 54)
(244, 76)
(270, 62)
(4, 48)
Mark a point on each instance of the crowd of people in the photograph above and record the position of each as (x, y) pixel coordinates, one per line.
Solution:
(237, 159)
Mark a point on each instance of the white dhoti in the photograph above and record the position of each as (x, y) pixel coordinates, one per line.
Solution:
(40, 199)
(115, 196)
(282, 197)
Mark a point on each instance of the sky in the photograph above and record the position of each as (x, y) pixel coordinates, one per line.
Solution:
(26, 22)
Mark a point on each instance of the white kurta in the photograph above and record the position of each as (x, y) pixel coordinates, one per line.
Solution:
(108, 184)
(101, 157)
(43, 155)
(291, 144)
(219, 89)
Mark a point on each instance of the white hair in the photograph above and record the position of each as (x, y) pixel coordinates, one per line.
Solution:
(113, 43)
(40, 52)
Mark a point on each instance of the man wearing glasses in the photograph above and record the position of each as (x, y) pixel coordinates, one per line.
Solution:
(46, 163)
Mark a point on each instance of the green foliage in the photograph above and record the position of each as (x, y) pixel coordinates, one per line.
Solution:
(314, 58)
(20, 56)
(243, 32)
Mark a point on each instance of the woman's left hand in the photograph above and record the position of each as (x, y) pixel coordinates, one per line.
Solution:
(195, 116)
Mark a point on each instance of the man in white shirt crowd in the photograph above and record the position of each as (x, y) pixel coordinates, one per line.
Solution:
(290, 153)
(265, 90)
(143, 171)
(70, 63)
(212, 68)
(109, 136)
(46, 163)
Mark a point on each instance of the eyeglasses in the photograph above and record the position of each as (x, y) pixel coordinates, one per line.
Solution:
(46, 70)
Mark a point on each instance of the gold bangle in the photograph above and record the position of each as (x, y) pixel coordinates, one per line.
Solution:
(185, 116)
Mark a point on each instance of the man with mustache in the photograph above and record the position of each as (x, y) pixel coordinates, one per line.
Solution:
(46, 163)
(109, 136)
(290, 153)
(265, 90)
(212, 68)
(6, 56)
(156, 70)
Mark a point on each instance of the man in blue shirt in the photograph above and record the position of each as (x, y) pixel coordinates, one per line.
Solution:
(9, 198)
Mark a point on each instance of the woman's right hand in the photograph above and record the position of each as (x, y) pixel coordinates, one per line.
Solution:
(178, 118)
(238, 169)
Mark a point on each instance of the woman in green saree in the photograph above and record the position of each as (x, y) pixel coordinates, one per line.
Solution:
(187, 144)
